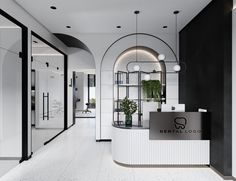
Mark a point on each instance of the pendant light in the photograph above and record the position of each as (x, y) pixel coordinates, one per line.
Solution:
(161, 57)
(136, 67)
(177, 67)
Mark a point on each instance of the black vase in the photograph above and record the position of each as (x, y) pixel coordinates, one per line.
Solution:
(128, 120)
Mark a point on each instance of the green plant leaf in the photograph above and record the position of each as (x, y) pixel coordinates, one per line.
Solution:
(129, 107)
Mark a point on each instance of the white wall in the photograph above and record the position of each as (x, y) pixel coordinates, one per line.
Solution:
(234, 94)
(80, 60)
(10, 7)
(98, 43)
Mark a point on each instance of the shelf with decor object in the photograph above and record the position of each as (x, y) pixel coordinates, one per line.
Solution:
(135, 87)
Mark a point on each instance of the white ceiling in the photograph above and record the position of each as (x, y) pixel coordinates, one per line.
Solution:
(102, 16)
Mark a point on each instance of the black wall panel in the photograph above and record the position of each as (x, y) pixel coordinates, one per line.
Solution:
(206, 81)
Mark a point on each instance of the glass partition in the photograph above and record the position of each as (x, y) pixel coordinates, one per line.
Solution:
(10, 90)
(47, 93)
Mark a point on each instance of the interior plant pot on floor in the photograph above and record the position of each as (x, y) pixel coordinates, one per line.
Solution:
(129, 107)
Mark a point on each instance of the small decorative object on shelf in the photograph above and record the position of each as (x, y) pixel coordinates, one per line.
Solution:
(129, 107)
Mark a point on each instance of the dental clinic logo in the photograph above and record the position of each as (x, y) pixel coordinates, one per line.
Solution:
(180, 127)
(180, 122)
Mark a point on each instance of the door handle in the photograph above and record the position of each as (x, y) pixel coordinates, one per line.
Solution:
(43, 105)
(48, 106)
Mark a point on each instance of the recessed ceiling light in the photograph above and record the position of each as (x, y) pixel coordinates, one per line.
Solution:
(53, 7)
(118, 27)
(68, 26)
(35, 41)
(165, 27)
(176, 12)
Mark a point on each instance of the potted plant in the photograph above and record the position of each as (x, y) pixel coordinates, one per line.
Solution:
(152, 90)
(147, 92)
(92, 103)
(129, 107)
(156, 90)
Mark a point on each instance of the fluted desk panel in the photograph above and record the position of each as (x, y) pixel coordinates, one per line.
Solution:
(133, 147)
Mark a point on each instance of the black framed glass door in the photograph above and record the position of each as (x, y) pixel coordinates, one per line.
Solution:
(13, 90)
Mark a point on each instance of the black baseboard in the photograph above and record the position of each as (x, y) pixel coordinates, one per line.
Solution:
(58, 134)
(53, 137)
(222, 176)
(25, 159)
(71, 126)
(104, 140)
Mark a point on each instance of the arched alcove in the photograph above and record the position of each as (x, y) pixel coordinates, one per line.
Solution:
(107, 74)
(128, 82)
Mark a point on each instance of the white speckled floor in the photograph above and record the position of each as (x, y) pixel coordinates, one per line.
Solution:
(75, 156)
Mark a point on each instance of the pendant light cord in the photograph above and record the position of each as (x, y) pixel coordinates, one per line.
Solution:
(136, 36)
(136, 33)
(176, 33)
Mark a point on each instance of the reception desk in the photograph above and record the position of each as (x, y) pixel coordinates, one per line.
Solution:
(173, 142)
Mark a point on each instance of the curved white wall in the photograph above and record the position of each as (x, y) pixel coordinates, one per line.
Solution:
(80, 59)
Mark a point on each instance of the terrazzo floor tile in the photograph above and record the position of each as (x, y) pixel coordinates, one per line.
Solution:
(76, 156)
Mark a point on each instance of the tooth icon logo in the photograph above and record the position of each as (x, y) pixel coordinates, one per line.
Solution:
(180, 122)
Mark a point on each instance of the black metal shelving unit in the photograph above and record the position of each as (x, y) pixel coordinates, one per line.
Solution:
(122, 80)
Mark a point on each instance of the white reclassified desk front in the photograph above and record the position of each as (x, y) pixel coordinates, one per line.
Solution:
(172, 138)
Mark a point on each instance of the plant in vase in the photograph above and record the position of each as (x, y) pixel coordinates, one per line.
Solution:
(147, 91)
(152, 91)
(129, 107)
(156, 90)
